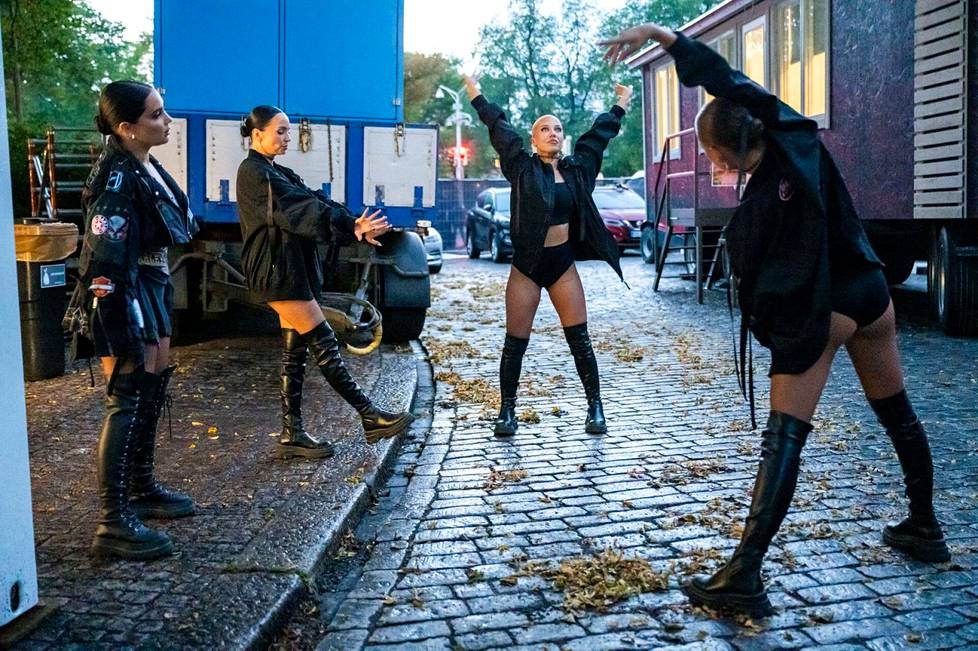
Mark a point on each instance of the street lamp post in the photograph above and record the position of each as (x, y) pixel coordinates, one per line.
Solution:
(457, 98)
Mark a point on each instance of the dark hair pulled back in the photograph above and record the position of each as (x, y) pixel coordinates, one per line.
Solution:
(721, 123)
(259, 118)
(121, 101)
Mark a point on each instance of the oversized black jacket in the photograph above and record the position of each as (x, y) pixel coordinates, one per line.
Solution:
(280, 255)
(796, 225)
(532, 180)
(126, 214)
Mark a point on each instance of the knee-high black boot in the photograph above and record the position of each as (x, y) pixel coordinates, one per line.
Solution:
(738, 585)
(119, 531)
(294, 441)
(149, 498)
(587, 368)
(377, 423)
(919, 534)
(510, 365)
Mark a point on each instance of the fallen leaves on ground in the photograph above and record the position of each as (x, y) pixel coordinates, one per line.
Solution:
(498, 478)
(595, 582)
(441, 351)
(528, 416)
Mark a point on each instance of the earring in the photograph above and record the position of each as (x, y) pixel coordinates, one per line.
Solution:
(132, 136)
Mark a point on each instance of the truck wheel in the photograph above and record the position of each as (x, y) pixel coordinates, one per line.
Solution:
(952, 275)
(403, 324)
(470, 247)
(647, 244)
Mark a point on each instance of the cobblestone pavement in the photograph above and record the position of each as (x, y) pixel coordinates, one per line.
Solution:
(461, 552)
(261, 524)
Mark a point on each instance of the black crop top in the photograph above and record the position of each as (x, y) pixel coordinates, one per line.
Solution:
(564, 205)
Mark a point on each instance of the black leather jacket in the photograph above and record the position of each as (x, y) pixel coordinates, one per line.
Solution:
(126, 214)
(796, 225)
(532, 180)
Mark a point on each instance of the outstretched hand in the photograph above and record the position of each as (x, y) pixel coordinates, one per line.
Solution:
(631, 40)
(369, 227)
(471, 86)
(623, 95)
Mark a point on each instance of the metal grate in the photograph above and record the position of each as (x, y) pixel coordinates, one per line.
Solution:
(940, 108)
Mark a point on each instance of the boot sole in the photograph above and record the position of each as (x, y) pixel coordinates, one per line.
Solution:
(928, 551)
(596, 429)
(389, 432)
(756, 605)
(286, 452)
(162, 512)
(501, 430)
(119, 549)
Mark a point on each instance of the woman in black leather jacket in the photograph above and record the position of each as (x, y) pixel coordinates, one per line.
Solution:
(809, 284)
(134, 210)
(282, 224)
(554, 222)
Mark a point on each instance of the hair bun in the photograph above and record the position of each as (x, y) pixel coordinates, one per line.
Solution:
(102, 126)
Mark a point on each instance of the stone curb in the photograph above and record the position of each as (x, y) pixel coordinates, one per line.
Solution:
(290, 580)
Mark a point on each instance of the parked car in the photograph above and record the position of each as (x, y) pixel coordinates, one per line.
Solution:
(487, 225)
(433, 248)
(623, 213)
(637, 182)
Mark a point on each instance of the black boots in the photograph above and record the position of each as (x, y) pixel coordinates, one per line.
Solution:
(294, 441)
(738, 585)
(149, 498)
(120, 532)
(377, 423)
(510, 365)
(919, 534)
(587, 368)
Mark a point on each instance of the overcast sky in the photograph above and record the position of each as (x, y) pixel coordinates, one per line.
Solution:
(446, 26)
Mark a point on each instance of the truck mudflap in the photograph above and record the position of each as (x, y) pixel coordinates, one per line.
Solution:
(405, 282)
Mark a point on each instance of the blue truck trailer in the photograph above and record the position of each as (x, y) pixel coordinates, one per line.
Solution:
(336, 67)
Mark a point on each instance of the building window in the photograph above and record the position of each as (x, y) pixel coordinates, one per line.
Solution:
(755, 56)
(666, 109)
(800, 40)
(725, 46)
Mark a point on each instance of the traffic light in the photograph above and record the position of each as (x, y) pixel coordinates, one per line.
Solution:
(464, 155)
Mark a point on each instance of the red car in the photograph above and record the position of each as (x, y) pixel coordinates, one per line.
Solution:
(623, 212)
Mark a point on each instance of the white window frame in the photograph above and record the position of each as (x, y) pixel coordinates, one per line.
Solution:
(676, 152)
(821, 119)
(760, 21)
(735, 58)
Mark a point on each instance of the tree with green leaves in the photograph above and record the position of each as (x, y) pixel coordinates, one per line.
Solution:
(57, 56)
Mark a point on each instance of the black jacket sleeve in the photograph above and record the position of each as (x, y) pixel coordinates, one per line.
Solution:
(590, 147)
(504, 138)
(293, 208)
(699, 65)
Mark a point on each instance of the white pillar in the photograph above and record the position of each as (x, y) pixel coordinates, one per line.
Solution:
(18, 571)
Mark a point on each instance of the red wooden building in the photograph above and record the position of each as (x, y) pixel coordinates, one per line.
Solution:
(893, 85)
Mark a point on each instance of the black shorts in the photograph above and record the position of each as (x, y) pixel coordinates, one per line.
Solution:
(863, 295)
(552, 263)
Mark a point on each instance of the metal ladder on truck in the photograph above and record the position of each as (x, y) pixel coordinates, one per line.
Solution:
(58, 165)
(696, 219)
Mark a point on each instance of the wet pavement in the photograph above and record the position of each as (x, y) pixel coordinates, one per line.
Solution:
(262, 527)
(481, 543)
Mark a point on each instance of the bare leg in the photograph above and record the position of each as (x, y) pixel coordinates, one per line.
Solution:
(301, 316)
(873, 350)
(522, 300)
(798, 395)
(567, 296)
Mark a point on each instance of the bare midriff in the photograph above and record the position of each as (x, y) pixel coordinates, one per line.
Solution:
(557, 235)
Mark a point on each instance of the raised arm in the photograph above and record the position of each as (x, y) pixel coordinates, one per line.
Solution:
(590, 146)
(699, 65)
(507, 142)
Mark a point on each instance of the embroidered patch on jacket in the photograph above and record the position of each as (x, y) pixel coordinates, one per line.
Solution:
(113, 228)
(115, 181)
(102, 286)
(99, 225)
(785, 189)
